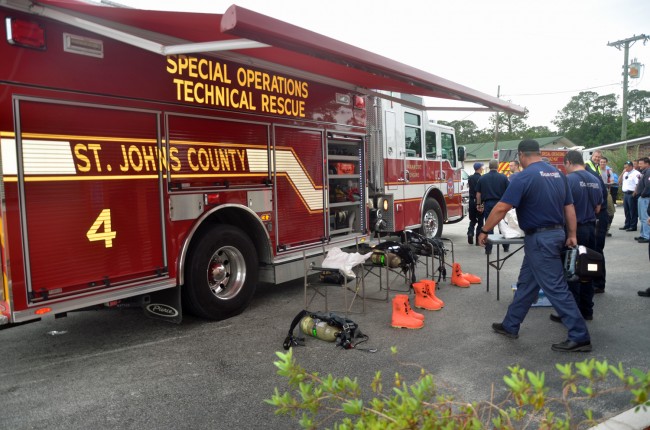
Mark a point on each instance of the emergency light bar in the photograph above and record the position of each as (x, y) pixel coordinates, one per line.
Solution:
(27, 34)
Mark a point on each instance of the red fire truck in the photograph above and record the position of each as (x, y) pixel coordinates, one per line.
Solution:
(414, 168)
(160, 157)
(554, 157)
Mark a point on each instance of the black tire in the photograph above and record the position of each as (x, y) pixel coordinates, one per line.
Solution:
(220, 273)
(431, 219)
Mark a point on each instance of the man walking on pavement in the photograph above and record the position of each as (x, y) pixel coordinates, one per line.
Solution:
(544, 208)
(587, 201)
(629, 180)
(489, 190)
(475, 214)
(643, 191)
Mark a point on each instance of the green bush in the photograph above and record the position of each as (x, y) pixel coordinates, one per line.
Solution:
(332, 401)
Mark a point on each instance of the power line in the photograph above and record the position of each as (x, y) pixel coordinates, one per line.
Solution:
(560, 92)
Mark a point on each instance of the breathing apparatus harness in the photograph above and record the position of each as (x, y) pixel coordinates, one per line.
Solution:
(428, 247)
(345, 339)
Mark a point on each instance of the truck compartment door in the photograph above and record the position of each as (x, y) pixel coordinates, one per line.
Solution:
(300, 194)
(86, 182)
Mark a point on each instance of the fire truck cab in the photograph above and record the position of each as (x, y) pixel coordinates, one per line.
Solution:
(415, 171)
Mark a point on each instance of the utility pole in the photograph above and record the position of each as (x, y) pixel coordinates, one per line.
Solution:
(626, 43)
(496, 123)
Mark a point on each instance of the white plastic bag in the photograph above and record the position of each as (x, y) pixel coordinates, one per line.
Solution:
(509, 226)
(337, 259)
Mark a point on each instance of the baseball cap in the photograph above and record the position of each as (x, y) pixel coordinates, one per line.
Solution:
(629, 163)
(477, 165)
(528, 145)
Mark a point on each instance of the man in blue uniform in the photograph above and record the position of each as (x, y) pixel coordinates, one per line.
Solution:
(544, 207)
(489, 190)
(587, 201)
(602, 218)
(475, 215)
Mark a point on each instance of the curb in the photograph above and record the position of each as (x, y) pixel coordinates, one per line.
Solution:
(628, 420)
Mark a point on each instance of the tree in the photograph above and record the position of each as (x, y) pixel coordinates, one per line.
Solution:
(575, 112)
(509, 124)
(638, 105)
(466, 130)
(590, 119)
(538, 131)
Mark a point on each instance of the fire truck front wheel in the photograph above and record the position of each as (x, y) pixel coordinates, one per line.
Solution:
(431, 219)
(220, 274)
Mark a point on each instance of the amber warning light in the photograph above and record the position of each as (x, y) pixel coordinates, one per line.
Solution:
(25, 33)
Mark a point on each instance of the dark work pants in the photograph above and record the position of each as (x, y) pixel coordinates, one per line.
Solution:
(488, 206)
(630, 206)
(614, 193)
(542, 267)
(601, 232)
(583, 292)
(475, 219)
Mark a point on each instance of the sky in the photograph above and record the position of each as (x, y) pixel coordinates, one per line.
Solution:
(537, 54)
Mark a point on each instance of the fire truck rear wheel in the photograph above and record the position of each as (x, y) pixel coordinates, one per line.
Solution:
(431, 219)
(220, 274)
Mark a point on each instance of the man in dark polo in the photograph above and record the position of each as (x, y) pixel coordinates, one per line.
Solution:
(475, 215)
(544, 207)
(489, 190)
(587, 197)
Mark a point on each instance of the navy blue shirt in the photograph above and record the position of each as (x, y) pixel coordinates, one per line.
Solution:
(471, 182)
(596, 173)
(539, 192)
(492, 186)
(587, 194)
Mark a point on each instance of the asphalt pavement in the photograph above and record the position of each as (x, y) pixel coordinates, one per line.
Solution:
(119, 369)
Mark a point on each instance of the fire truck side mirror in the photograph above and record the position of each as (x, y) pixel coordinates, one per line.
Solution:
(461, 153)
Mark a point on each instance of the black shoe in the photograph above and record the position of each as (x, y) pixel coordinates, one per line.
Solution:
(643, 240)
(506, 249)
(557, 319)
(631, 229)
(470, 240)
(498, 327)
(599, 290)
(571, 346)
(488, 252)
(624, 228)
(608, 235)
(639, 237)
(645, 293)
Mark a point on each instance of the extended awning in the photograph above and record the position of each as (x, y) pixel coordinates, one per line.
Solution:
(248, 37)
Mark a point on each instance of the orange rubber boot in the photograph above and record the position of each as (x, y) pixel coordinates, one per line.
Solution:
(414, 314)
(402, 317)
(473, 279)
(457, 278)
(431, 290)
(423, 299)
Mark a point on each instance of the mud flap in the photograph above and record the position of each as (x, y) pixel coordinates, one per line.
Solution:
(165, 305)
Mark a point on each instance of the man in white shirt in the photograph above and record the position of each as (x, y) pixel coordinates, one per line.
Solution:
(629, 180)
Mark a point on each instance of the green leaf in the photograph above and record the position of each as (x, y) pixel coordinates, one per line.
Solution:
(353, 407)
